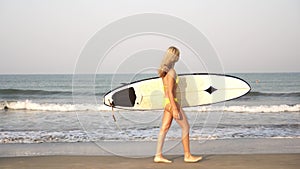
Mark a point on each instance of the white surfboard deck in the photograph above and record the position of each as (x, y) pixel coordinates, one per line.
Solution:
(193, 90)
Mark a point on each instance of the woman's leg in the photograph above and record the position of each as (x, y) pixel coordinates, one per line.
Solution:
(184, 124)
(185, 136)
(166, 123)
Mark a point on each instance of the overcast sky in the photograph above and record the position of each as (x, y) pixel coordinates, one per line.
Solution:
(44, 36)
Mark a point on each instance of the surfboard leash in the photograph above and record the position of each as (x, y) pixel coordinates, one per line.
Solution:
(111, 104)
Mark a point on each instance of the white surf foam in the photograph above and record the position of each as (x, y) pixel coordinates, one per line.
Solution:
(249, 109)
(29, 105)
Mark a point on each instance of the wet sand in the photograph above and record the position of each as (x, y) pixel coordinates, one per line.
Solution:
(218, 154)
(246, 161)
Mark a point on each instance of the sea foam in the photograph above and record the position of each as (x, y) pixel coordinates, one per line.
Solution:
(33, 106)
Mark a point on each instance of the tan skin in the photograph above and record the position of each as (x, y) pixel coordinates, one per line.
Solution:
(170, 92)
(174, 111)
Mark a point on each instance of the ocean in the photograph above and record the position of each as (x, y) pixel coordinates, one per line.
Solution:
(69, 108)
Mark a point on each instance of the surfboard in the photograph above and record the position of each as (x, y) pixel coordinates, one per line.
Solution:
(194, 89)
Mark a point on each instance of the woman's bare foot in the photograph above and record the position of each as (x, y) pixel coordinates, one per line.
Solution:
(161, 159)
(192, 159)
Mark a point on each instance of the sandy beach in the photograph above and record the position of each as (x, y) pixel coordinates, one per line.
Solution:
(232, 153)
(253, 161)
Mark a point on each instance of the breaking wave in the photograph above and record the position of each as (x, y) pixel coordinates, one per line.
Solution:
(32, 106)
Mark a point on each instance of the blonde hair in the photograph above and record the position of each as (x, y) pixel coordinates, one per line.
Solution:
(169, 60)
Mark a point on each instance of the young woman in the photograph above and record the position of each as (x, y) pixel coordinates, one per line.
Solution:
(172, 108)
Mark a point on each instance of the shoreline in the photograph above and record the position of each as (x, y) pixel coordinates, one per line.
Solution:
(217, 154)
(142, 149)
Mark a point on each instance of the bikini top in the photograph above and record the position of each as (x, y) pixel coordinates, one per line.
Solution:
(177, 79)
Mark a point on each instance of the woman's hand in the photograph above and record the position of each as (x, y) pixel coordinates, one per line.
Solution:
(176, 114)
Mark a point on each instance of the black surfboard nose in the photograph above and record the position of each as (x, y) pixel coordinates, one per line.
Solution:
(124, 98)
